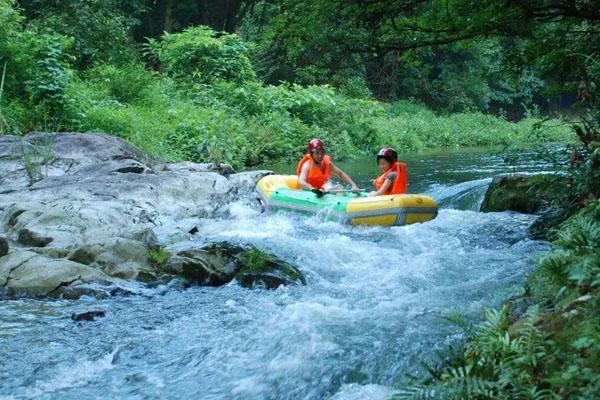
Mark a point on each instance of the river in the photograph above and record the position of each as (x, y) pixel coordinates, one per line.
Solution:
(372, 309)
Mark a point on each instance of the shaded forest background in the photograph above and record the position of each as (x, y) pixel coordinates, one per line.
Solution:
(246, 81)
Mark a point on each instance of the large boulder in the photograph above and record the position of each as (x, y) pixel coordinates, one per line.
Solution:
(525, 193)
(83, 208)
(215, 264)
(27, 273)
(44, 154)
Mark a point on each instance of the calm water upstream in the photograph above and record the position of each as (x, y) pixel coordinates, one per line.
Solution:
(372, 308)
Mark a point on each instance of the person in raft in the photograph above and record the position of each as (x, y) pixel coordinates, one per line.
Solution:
(316, 167)
(394, 178)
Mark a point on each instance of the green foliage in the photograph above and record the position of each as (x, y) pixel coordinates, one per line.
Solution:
(38, 73)
(549, 353)
(251, 124)
(206, 104)
(256, 261)
(35, 156)
(200, 55)
(576, 266)
(125, 84)
(51, 81)
(100, 29)
(158, 257)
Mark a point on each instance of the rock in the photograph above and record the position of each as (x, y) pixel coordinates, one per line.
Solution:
(3, 246)
(25, 273)
(68, 153)
(222, 169)
(210, 265)
(101, 211)
(218, 263)
(32, 239)
(150, 240)
(246, 181)
(525, 193)
(88, 316)
(265, 270)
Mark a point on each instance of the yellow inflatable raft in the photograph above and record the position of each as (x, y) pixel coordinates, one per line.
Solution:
(281, 192)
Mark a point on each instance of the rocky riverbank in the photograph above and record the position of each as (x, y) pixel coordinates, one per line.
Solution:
(544, 194)
(84, 213)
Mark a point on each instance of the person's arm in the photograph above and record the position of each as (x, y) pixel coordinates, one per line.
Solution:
(383, 189)
(344, 176)
(304, 175)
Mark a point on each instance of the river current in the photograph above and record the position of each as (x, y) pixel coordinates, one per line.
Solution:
(372, 309)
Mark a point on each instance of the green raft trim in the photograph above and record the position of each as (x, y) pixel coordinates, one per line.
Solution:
(334, 207)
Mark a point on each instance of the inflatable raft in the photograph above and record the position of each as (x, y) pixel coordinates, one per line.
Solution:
(282, 192)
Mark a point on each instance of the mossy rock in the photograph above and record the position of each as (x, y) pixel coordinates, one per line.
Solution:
(525, 193)
(257, 268)
(216, 264)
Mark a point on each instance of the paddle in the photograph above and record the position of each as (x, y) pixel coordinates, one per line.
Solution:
(320, 193)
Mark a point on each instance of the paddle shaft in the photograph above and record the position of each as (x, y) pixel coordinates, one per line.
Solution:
(345, 190)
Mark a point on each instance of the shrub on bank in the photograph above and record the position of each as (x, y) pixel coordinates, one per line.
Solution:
(250, 124)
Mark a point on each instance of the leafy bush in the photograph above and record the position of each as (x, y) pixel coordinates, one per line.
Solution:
(38, 72)
(100, 30)
(200, 55)
(126, 84)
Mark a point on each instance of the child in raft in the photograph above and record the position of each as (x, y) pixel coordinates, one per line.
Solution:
(394, 178)
(316, 167)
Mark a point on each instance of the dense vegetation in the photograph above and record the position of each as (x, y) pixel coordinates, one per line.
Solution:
(203, 95)
(246, 81)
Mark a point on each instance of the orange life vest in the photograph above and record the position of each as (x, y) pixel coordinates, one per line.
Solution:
(399, 185)
(318, 175)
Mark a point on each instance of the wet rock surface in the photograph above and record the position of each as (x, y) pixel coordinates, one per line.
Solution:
(215, 264)
(3, 246)
(83, 212)
(88, 316)
(525, 193)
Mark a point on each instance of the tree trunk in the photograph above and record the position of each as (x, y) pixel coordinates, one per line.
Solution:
(168, 21)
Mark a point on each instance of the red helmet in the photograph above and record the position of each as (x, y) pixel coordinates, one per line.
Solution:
(388, 154)
(315, 144)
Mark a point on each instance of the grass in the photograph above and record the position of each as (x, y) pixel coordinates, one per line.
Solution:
(36, 156)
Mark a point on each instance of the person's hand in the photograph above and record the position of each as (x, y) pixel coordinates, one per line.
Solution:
(355, 189)
(372, 194)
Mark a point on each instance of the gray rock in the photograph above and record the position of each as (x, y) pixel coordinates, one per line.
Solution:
(210, 265)
(88, 316)
(99, 210)
(246, 181)
(524, 193)
(27, 273)
(259, 269)
(3, 246)
(223, 169)
(218, 263)
(68, 154)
